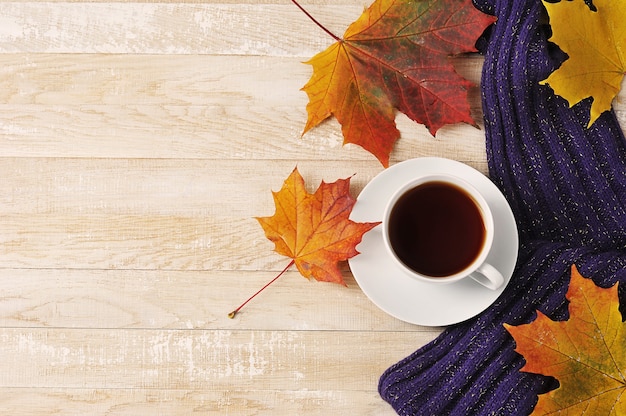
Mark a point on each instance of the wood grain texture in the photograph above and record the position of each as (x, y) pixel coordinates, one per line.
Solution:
(174, 402)
(138, 141)
(170, 28)
(147, 214)
(209, 107)
(153, 299)
(197, 359)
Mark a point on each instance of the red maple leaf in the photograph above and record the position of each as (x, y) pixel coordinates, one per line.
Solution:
(395, 56)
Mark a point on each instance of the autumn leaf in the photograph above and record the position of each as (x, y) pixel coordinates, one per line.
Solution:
(586, 353)
(595, 42)
(314, 229)
(395, 56)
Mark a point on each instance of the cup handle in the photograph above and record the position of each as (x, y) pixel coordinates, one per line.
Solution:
(488, 276)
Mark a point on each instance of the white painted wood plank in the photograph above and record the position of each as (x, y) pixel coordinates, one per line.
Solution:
(208, 133)
(226, 189)
(114, 299)
(174, 402)
(200, 359)
(169, 28)
(230, 110)
(188, 80)
(129, 214)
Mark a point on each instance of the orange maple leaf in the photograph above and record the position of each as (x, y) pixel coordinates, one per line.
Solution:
(395, 56)
(314, 229)
(586, 353)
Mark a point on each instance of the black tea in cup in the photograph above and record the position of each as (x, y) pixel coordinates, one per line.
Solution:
(436, 229)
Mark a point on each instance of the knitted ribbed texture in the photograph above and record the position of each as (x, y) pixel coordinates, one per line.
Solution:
(567, 187)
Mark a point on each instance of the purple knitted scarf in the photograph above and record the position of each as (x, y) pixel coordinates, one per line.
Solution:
(567, 187)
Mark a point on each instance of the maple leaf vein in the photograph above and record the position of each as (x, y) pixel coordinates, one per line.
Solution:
(604, 341)
(317, 229)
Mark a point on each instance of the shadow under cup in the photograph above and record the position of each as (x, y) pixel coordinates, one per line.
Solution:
(439, 229)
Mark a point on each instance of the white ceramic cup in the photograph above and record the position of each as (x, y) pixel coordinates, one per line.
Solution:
(477, 269)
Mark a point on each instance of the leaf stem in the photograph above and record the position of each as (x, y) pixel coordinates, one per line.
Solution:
(337, 38)
(233, 313)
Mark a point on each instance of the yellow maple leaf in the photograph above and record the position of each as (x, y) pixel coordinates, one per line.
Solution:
(595, 42)
(586, 353)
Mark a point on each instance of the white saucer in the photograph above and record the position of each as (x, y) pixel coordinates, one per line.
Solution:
(410, 300)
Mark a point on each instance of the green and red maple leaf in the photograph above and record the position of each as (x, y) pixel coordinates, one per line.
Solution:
(395, 56)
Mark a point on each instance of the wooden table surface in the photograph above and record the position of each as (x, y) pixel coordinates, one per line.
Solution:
(138, 140)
